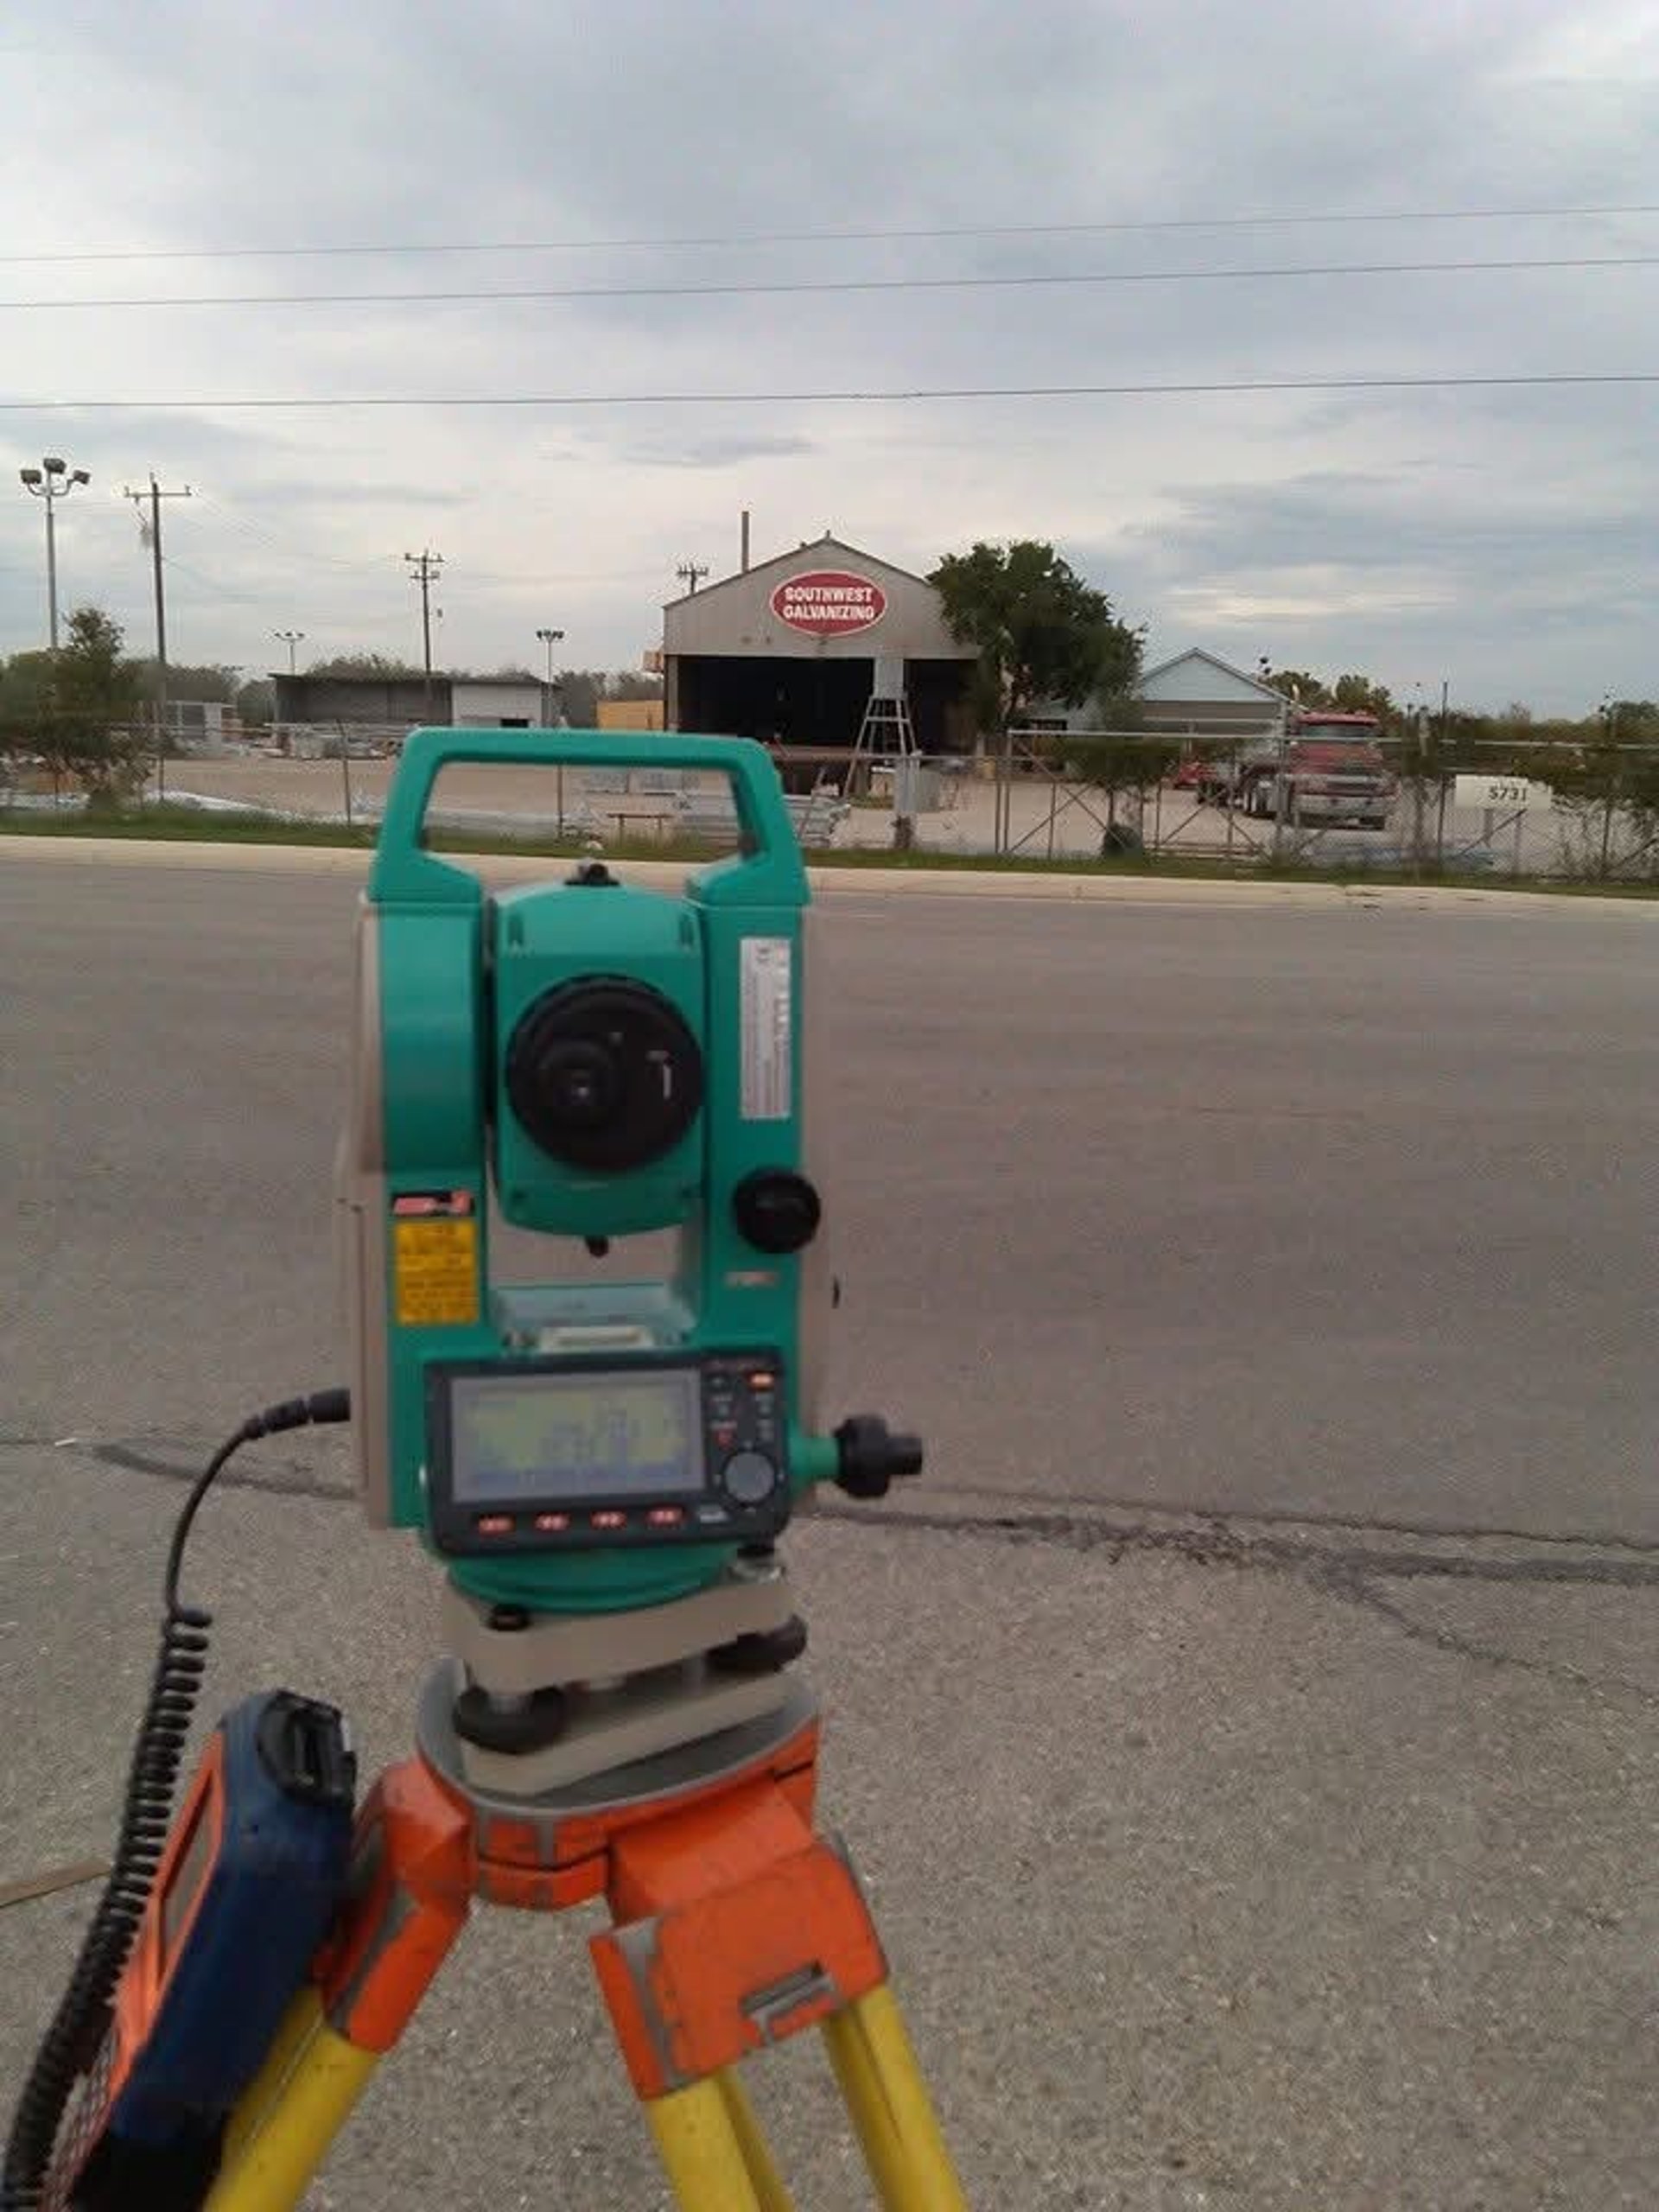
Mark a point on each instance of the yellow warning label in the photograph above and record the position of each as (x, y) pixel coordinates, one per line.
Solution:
(435, 1266)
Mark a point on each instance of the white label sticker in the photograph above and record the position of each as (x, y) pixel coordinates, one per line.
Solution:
(768, 1013)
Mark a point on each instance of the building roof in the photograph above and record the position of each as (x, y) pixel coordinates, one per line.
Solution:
(378, 679)
(827, 543)
(1205, 667)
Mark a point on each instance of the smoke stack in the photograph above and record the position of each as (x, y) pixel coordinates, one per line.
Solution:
(743, 558)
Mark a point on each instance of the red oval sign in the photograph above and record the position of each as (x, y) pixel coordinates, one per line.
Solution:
(829, 603)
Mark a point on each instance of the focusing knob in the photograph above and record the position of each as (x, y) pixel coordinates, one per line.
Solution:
(871, 1456)
(777, 1210)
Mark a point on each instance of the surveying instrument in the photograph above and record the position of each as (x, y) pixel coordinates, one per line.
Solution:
(601, 1469)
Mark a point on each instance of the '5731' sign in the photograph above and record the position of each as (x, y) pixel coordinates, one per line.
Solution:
(1514, 794)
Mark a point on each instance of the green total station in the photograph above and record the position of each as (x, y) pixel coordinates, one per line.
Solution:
(560, 1067)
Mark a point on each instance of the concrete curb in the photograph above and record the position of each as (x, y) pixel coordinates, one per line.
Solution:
(848, 882)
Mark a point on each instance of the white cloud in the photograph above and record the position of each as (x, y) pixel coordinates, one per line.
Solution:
(1500, 537)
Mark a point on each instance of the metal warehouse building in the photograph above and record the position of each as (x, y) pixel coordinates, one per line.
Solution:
(396, 702)
(808, 651)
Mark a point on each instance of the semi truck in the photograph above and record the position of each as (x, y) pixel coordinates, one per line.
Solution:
(1328, 769)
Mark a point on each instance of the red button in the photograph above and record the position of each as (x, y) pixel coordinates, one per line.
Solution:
(666, 1516)
(493, 1524)
(611, 1520)
(760, 1382)
(552, 1524)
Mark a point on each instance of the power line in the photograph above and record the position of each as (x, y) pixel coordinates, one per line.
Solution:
(413, 247)
(220, 589)
(286, 547)
(290, 549)
(586, 399)
(750, 289)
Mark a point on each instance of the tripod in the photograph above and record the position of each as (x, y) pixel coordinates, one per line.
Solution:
(734, 1922)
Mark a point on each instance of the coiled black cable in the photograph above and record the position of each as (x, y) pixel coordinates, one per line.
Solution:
(78, 2027)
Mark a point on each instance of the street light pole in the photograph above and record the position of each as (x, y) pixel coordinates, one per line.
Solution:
(549, 638)
(52, 482)
(290, 638)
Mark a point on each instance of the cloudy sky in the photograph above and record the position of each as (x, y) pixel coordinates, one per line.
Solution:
(718, 170)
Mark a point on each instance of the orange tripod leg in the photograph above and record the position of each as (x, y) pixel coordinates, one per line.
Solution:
(415, 1875)
(412, 1890)
(736, 1927)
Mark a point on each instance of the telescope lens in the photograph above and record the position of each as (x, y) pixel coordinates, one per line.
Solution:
(604, 1074)
(579, 1085)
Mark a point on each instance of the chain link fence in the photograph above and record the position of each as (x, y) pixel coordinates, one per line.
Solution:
(1564, 813)
(1570, 814)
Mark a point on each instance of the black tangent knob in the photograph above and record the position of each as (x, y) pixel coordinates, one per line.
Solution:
(777, 1210)
(871, 1456)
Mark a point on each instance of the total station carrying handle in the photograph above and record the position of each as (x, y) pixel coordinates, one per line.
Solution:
(766, 870)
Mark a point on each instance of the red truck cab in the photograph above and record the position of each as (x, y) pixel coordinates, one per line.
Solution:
(1328, 770)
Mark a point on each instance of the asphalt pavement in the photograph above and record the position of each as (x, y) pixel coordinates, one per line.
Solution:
(1249, 1728)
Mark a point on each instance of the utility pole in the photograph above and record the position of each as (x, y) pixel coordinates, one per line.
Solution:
(290, 638)
(1610, 716)
(153, 529)
(1441, 764)
(690, 574)
(52, 482)
(423, 569)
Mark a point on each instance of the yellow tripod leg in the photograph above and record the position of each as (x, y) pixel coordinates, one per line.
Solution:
(769, 2188)
(298, 2025)
(296, 2104)
(704, 2135)
(890, 2107)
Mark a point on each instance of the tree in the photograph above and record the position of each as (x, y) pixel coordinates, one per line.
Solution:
(1359, 695)
(1126, 759)
(1042, 633)
(256, 701)
(1600, 778)
(92, 733)
(212, 680)
(1300, 688)
(25, 706)
(25, 694)
(1350, 694)
(578, 691)
(384, 665)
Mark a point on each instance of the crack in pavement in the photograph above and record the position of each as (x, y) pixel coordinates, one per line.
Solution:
(1349, 1572)
(290, 1479)
(1290, 1516)
(1206, 1537)
(1217, 1541)
(1361, 1592)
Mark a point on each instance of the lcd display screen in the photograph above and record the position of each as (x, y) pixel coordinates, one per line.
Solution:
(189, 1870)
(534, 1437)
